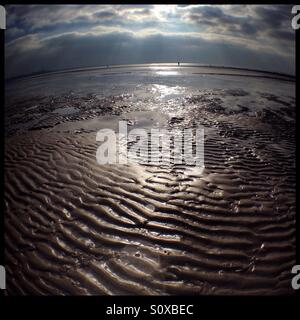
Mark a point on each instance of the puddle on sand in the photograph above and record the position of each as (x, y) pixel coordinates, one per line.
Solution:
(65, 110)
(136, 119)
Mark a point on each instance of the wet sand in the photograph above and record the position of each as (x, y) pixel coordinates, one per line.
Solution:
(73, 226)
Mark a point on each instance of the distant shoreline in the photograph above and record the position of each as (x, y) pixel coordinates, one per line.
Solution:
(182, 65)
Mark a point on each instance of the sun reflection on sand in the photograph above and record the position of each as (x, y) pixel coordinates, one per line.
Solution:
(164, 91)
(167, 73)
(170, 70)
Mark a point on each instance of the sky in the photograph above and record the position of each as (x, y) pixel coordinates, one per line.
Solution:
(52, 37)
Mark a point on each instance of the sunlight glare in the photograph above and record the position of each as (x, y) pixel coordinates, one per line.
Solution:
(162, 11)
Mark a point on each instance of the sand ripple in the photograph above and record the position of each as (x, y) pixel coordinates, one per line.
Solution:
(75, 227)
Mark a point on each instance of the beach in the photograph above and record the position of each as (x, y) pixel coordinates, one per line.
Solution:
(76, 227)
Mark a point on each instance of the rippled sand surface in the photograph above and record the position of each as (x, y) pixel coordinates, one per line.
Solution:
(73, 226)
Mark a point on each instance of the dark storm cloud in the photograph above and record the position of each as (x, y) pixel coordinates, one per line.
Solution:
(248, 28)
(213, 14)
(273, 21)
(57, 37)
(274, 16)
(105, 14)
(282, 35)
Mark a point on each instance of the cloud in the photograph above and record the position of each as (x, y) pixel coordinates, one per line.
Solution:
(274, 16)
(69, 36)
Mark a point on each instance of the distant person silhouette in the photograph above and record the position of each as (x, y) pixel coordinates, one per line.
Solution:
(178, 63)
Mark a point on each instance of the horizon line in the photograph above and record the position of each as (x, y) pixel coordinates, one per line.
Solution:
(115, 66)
